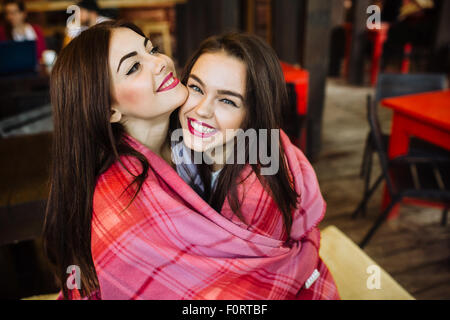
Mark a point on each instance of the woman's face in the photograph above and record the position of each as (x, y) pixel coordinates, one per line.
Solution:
(144, 83)
(215, 107)
(13, 15)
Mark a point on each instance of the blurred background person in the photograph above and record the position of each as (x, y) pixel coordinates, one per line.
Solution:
(90, 15)
(16, 27)
(410, 21)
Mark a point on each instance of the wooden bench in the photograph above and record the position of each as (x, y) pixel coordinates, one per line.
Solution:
(348, 264)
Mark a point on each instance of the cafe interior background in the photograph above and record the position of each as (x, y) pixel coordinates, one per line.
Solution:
(346, 71)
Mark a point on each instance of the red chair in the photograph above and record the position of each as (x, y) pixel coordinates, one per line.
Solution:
(295, 119)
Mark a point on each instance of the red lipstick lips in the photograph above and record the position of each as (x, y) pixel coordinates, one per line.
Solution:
(198, 133)
(169, 77)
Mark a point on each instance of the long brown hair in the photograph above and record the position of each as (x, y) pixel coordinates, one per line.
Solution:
(85, 144)
(265, 97)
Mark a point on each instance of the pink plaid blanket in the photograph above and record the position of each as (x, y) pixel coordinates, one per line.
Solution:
(170, 244)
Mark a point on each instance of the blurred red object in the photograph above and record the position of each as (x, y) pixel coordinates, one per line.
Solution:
(425, 116)
(378, 37)
(406, 58)
(299, 78)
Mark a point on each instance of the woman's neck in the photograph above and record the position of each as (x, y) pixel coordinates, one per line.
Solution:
(216, 167)
(20, 28)
(152, 133)
(220, 155)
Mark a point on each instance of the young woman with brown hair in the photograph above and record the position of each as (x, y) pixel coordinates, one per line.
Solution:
(236, 86)
(108, 85)
(16, 27)
(235, 82)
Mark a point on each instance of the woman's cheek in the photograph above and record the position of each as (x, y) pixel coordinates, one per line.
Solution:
(231, 119)
(189, 104)
(127, 96)
(225, 118)
(136, 93)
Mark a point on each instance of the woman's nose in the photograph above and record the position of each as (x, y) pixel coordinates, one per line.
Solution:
(158, 64)
(205, 108)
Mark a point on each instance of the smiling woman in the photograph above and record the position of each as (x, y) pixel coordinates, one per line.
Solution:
(98, 105)
(216, 101)
(144, 88)
(236, 86)
(235, 82)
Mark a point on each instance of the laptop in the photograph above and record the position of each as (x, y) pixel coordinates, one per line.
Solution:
(17, 57)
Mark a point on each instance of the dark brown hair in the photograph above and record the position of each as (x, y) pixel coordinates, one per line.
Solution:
(265, 97)
(8, 28)
(85, 144)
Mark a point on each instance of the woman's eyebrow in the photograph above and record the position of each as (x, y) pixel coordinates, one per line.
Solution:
(128, 55)
(131, 54)
(231, 93)
(227, 92)
(193, 76)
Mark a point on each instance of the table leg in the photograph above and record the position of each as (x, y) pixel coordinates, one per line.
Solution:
(393, 214)
(399, 139)
(398, 145)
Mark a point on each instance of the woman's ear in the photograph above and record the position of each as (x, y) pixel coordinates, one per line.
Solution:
(116, 115)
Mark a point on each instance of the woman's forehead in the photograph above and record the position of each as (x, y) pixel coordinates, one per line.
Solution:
(221, 71)
(124, 40)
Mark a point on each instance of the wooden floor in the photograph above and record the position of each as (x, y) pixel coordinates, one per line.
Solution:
(415, 248)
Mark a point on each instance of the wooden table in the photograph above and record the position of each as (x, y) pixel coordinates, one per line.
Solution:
(425, 116)
(22, 92)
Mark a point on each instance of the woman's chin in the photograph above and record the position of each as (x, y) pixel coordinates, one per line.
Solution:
(174, 103)
(195, 146)
(182, 93)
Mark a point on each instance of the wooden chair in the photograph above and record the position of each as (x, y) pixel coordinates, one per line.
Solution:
(421, 177)
(393, 85)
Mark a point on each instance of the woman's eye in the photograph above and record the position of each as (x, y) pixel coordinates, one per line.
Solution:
(226, 101)
(195, 88)
(134, 68)
(155, 50)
